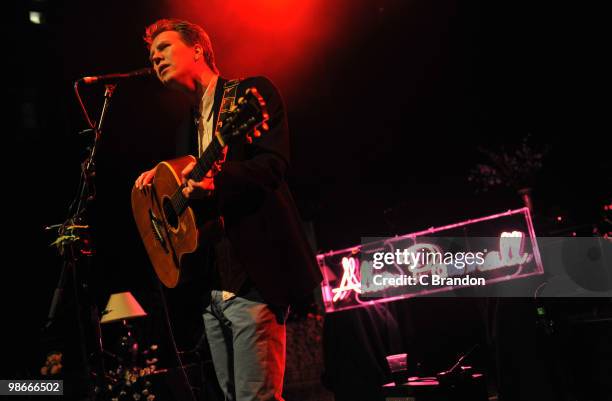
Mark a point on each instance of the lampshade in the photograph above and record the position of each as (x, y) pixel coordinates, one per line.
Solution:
(122, 306)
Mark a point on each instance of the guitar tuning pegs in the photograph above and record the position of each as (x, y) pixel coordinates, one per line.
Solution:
(265, 126)
(256, 133)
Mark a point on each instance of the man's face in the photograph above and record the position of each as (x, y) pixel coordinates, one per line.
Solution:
(172, 59)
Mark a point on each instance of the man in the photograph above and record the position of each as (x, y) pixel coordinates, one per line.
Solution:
(261, 261)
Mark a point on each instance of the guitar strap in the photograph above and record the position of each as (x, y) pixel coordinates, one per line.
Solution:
(227, 102)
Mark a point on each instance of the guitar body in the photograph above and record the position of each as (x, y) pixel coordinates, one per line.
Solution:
(167, 237)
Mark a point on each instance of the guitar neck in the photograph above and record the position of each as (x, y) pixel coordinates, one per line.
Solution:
(249, 113)
(213, 152)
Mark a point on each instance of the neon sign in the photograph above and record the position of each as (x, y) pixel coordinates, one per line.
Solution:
(511, 251)
(354, 277)
(349, 281)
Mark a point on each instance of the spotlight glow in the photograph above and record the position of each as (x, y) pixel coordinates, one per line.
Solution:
(36, 17)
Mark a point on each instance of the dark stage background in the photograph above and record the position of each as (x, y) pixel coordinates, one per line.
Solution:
(388, 104)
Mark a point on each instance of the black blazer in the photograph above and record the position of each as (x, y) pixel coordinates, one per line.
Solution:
(261, 220)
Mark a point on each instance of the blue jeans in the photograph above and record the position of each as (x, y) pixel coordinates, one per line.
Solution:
(247, 344)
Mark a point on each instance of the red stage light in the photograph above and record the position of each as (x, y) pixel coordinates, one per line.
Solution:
(279, 39)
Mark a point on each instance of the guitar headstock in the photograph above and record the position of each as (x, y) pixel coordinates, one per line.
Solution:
(247, 118)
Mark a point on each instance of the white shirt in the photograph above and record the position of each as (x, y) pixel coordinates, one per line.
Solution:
(205, 122)
(206, 132)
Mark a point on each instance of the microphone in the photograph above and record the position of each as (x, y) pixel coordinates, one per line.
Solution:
(110, 78)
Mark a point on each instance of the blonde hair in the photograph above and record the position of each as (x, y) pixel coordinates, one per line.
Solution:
(191, 34)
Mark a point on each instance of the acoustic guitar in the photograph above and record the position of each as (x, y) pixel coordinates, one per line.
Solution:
(166, 222)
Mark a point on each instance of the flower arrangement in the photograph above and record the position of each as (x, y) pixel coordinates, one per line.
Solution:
(129, 380)
(53, 364)
(514, 167)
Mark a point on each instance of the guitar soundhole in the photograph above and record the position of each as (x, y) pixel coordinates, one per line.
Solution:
(171, 216)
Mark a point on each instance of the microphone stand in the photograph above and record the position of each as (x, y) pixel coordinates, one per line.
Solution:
(75, 246)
